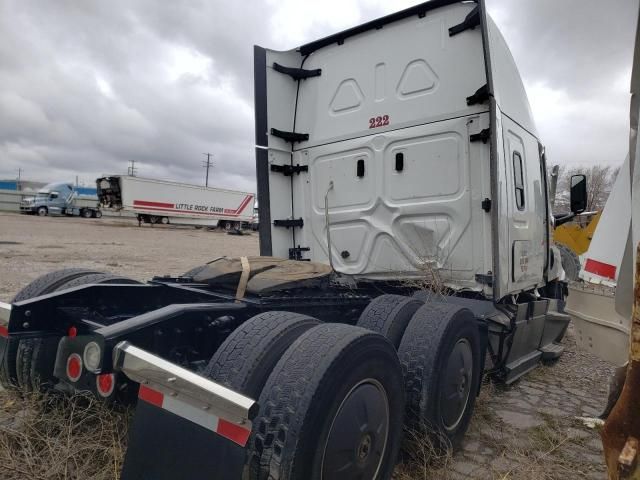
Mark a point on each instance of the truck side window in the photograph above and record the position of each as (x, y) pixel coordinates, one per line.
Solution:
(518, 180)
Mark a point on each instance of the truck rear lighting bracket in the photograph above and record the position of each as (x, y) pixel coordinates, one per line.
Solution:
(471, 21)
(297, 222)
(296, 253)
(486, 205)
(289, 170)
(481, 96)
(483, 136)
(297, 73)
(290, 136)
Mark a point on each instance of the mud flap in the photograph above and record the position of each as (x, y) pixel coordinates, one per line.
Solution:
(165, 446)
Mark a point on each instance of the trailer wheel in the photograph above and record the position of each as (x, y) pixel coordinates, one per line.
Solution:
(246, 358)
(42, 211)
(389, 315)
(97, 214)
(440, 355)
(331, 409)
(45, 284)
(85, 213)
(33, 369)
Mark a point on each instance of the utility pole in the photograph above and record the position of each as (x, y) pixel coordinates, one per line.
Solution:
(19, 186)
(207, 165)
(132, 168)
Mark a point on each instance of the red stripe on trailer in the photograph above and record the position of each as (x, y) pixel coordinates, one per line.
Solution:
(243, 204)
(4, 331)
(150, 396)
(233, 432)
(146, 203)
(156, 209)
(600, 268)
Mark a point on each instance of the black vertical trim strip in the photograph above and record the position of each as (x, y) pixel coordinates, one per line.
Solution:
(493, 152)
(262, 142)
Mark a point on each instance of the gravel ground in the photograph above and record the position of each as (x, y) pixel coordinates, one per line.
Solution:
(528, 430)
(31, 246)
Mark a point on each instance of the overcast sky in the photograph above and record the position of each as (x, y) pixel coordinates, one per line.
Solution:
(86, 86)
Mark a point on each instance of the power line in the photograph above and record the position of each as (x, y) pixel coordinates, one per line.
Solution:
(207, 165)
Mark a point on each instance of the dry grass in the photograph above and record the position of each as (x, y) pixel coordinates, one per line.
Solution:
(60, 437)
(423, 457)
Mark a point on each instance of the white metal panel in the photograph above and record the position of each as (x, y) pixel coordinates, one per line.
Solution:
(607, 247)
(391, 223)
(508, 89)
(527, 223)
(407, 73)
(281, 99)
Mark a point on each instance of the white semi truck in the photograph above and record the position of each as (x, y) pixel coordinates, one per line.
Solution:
(405, 253)
(160, 201)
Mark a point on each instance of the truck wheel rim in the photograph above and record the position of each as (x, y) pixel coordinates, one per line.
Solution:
(357, 439)
(456, 384)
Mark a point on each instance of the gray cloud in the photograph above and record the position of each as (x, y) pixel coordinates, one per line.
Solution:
(87, 86)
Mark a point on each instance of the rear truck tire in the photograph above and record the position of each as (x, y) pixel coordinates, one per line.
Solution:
(389, 315)
(97, 214)
(441, 361)
(570, 262)
(33, 368)
(40, 286)
(164, 220)
(246, 358)
(86, 213)
(42, 211)
(331, 409)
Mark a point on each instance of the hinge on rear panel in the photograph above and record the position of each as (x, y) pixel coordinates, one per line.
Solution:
(289, 170)
(486, 204)
(483, 136)
(297, 73)
(296, 253)
(290, 136)
(481, 96)
(298, 222)
(471, 21)
(485, 278)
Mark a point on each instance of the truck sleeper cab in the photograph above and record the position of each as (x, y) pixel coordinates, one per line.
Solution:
(404, 234)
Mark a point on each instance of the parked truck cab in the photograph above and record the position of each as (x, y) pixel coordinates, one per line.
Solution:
(60, 199)
(404, 230)
(51, 195)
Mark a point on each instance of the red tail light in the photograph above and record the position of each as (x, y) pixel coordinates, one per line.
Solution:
(105, 383)
(74, 367)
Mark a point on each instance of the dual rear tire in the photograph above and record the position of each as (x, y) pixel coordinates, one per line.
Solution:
(334, 398)
(331, 397)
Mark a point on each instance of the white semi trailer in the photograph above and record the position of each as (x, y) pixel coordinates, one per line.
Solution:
(160, 201)
(405, 253)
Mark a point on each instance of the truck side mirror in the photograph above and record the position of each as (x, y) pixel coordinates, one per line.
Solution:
(578, 193)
